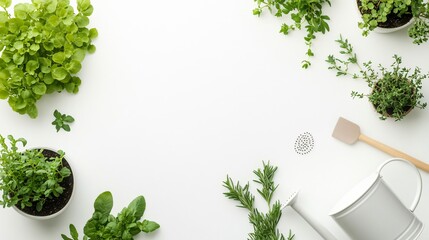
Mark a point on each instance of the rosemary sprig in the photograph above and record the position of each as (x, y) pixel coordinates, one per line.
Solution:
(264, 224)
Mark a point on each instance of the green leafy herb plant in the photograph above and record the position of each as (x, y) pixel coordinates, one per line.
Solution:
(42, 47)
(395, 92)
(396, 13)
(306, 14)
(28, 179)
(264, 224)
(104, 226)
(62, 121)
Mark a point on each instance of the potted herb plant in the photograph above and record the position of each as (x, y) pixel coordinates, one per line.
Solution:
(42, 47)
(306, 14)
(102, 225)
(391, 15)
(395, 92)
(38, 183)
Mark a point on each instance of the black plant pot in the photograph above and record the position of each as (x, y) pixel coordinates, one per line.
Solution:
(53, 206)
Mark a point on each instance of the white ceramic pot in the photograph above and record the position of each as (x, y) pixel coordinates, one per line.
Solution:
(389, 30)
(372, 211)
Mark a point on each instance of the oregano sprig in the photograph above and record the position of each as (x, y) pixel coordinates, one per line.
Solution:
(306, 14)
(62, 121)
(264, 224)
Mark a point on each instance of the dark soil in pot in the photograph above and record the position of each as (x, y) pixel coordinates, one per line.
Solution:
(54, 205)
(393, 21)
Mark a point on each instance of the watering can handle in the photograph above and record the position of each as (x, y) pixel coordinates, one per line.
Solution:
(419, 180)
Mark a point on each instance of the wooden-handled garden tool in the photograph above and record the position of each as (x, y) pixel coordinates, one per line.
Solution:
(349, 133)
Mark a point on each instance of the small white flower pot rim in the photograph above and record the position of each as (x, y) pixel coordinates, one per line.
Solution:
(57, 213)
(389, 30)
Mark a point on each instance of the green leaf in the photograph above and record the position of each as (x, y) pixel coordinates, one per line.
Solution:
(93, 33)
(18, 59)
(68, 119)
(54, 20)
(32, 111)
(82, 5)
(39, 89)
(104, 203)
(32, 66)
(57, 114)
(34, 47)
(66, 238)
(65, 172)
(3, 94)
(73, 232)
(66, 128)
(90, 228)
(82, 21)
(138, 206)
(4, 17)
(59, 73)
(149, 226)
(18, 45)
(91, 49)
(48, 79)
(74, 66)
(52, 6)
(59, 57)
(5, 3)
(21, 10)
(4, 74)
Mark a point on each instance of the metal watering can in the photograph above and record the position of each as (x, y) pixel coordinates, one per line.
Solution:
(372, 211)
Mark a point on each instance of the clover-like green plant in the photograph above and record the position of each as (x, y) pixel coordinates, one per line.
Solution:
(306, 14)
(394, 92)
(42, 48)
(28, 177)
(264, 224)
(62, 121)
(377, 13)
(104, 226)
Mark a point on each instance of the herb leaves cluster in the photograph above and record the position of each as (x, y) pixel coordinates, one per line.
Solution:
(264, 224)
(62, 121)
(306, 14)
(395, 91)
(28, 177)
(43, 46)
(102, 225)
(376, 12)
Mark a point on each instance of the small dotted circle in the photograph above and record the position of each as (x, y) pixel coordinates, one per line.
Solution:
(304, 143)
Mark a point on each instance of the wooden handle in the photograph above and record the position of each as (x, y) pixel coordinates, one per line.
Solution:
(393, 152)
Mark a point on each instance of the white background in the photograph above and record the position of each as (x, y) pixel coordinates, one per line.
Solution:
(181, 93)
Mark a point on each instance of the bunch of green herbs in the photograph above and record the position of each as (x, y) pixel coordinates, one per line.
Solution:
(28, 177)
(104, 226)
(376, 12)
(306, 14)
(264, 224)
(394, 92)
(62, 121)
(42, 48)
